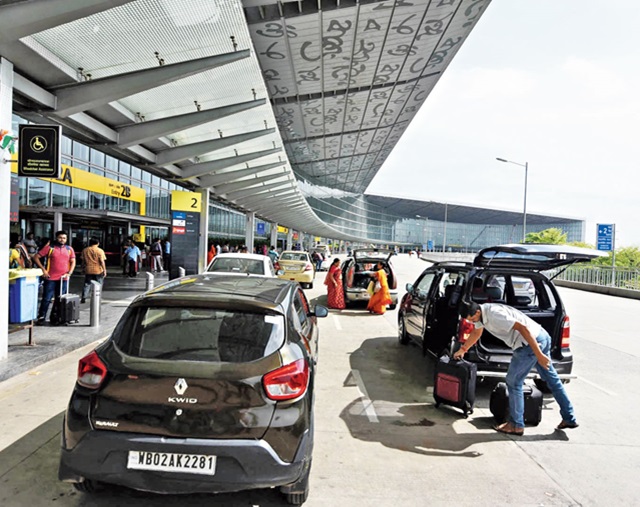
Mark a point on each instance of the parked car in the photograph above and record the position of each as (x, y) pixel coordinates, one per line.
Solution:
(297, 265)
(205, 385)
(242, 264)
(508, 274)
(357, 271)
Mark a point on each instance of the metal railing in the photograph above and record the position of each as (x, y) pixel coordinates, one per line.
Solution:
(623, 278)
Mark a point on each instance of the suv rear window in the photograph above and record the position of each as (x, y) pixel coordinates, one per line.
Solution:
(199, 334)
(228, 265)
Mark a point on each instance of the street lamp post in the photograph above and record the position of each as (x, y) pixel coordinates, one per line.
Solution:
(524, 212)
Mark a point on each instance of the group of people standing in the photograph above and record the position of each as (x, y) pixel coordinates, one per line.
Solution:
(335, 289)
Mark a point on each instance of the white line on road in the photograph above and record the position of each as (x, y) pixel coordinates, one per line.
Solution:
(366, 402)
(593, 384)
(337, 323)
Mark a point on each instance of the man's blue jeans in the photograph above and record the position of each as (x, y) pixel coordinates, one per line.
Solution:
(523, 360)
(50, 289)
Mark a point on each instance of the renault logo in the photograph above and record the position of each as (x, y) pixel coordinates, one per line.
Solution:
(181, 386)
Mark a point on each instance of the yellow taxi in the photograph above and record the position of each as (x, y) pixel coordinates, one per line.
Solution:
(297, 266)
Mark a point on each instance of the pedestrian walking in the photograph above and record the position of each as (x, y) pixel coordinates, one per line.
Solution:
(94, 266)
(156, 256)
(335, 289)
(133, 258)
(30, 243)
(57, 262)
(273, 254)
(381, 296)
(166, 254)
(531, 345)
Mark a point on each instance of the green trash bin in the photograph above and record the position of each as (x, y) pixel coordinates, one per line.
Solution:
(23, 294)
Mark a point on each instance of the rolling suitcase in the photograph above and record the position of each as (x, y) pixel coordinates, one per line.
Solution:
(499, 403)
(455, 384)
(66, 308)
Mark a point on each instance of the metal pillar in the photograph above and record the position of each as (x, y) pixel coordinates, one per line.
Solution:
(94, 309)
(289, 240)
(250, 230)
(203, 243)
(6, 109)
(57, 224)
(150, 282)
(181, 272)
(274, 235)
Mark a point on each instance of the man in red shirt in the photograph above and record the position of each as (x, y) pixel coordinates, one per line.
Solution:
(59, 263)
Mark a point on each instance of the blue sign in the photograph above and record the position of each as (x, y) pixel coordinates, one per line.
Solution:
(430, 245)
(260, 227)
(605, 237)
(179, 215)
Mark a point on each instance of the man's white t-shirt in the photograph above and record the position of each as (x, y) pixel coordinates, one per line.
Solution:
(499, 320)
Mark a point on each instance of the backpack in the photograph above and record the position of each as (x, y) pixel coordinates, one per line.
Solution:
(51, 253)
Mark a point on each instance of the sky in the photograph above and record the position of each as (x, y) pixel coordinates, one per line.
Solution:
(551, 83)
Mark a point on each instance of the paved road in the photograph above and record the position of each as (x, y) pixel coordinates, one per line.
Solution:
(379, 439)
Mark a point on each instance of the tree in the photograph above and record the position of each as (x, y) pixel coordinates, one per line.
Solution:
(628, 257)
(553, 236)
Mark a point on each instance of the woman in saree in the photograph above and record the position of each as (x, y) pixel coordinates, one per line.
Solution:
(333, 281)
(381, 297)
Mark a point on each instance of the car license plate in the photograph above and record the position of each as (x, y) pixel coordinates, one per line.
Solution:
(172, 462)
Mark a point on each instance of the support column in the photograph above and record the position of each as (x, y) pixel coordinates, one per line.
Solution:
(6, 109)
(289, 240)
(203, 243)
(274, 235)
(301, 239)
(250, 232)
(57, 224)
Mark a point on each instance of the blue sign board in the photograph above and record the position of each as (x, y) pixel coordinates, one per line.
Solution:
(605, 237)
(430, 245)
(260, 227)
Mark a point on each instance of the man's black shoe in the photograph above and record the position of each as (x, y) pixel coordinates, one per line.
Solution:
(40, 321)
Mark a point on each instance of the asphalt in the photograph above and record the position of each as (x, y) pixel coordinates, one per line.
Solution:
(50, 342)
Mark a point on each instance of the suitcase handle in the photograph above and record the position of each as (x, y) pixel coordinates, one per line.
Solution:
(62, 280)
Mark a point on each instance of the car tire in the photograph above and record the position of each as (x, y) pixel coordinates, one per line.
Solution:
(88, 486)
(310, 285)
(392, 307)
(403, 339)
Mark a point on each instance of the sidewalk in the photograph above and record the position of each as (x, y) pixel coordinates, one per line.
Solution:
(51, 342)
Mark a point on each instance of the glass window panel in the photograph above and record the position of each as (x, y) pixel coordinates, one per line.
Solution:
(61, 195)
(155, 181)
(97, 157)
(125, 169)
(65, 146)
(136, 173)
(124, 179)
(111, 163)
(22, 196)
(97, 170)
(80, 198)
(96, 201)
(80, 151)
(146, 177)
(39, 191)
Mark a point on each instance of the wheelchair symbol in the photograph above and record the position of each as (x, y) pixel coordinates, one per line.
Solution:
(38, 144)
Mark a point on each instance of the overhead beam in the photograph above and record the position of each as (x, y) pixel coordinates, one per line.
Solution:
(256, 190)
(180, 153)
(226, 188)
(25, 18)
(32, 91)
(229, 176)
(214, 165)
(256, 198)
(88, 95)
(138, 133)
(261, 208)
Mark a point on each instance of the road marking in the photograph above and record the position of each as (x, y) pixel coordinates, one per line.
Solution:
(337, 323)
(593, 384)
(367, 404)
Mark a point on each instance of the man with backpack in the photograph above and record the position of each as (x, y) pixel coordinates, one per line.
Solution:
(59, 263)
(156, 256)
(95, 269)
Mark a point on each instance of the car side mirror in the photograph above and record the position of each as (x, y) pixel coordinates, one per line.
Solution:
(280, 272)
(409, 287)
(319, 311)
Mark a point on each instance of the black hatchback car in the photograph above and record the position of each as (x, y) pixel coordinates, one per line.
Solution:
(205, 385)
(508, 274)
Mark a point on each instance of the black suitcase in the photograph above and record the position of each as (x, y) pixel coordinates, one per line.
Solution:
(66, 308)
(455, 384)
(499, 403)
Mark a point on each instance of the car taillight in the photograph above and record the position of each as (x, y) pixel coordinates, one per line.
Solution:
(565, 341)
(288, 382)
(308, 267)
(464, 328)
(91, 371)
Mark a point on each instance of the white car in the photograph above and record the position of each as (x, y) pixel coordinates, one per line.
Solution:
(242, 264)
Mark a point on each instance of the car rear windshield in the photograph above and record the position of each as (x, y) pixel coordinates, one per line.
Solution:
(250, 266)
(293, 257)
(199, 334)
